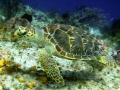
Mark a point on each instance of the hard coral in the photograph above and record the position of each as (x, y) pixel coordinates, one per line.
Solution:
(7, 65)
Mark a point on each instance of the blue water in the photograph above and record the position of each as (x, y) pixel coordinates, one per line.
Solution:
(110, 7)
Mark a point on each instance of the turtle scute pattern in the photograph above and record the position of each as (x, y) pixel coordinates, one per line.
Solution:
(72, 42)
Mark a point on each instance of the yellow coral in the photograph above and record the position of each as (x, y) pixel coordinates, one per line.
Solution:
(21, 80)
(30, 85)
(2, 63)
(7, 62)
(33, 83)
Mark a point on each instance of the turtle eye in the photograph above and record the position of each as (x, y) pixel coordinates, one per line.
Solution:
(23, 32)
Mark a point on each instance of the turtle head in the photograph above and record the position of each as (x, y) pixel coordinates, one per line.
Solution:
(25, 33)
(36, 35)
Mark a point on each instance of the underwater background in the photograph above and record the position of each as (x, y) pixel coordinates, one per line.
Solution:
(21, 65)
(108, 6)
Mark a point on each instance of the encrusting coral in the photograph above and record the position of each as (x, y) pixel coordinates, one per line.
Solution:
(31, 84)
(21, 79)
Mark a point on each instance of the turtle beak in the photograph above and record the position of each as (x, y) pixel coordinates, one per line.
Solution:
(21, 31)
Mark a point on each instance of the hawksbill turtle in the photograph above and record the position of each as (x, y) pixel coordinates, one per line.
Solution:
(60, 40)
(64, 41)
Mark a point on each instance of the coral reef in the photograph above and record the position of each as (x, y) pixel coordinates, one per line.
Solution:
(20, 67)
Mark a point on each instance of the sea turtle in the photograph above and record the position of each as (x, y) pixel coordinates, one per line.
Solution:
(64, 41)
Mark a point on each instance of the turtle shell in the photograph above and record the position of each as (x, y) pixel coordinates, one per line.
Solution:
(72, 42)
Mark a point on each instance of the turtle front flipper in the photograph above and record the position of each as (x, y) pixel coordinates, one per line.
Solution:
(50, 66)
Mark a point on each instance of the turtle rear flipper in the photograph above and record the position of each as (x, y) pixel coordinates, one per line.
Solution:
(50, 66)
